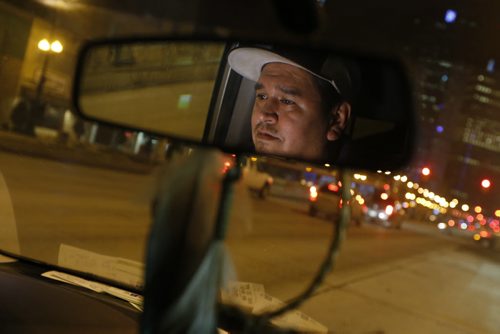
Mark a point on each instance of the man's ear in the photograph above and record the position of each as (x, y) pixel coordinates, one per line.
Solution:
(338, 121)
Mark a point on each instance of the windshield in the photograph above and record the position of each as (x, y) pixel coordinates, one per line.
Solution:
(79, 194)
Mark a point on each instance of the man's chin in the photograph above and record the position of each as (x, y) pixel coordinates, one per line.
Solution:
(277, 150)
(267, 148)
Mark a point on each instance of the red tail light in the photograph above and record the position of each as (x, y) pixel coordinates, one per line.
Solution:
(333, 187)
(226, 167)
(484, 234)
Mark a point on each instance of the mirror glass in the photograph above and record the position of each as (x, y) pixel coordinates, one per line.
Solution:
(158, 87)
(314, 105)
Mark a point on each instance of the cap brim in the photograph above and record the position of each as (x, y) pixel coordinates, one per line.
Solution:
(248, 62)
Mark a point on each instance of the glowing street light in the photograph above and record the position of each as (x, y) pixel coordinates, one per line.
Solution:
(426, 171)
(56, 46)
(465, 207)
(44, 45)
(360, 177)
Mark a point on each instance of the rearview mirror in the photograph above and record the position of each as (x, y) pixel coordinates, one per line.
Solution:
(316, 105)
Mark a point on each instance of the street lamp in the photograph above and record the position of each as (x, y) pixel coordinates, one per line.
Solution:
(47, 47)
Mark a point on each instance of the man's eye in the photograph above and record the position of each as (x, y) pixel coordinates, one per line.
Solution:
(261, 96)
(286, 101)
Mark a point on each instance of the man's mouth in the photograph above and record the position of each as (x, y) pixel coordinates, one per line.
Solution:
(266, 135)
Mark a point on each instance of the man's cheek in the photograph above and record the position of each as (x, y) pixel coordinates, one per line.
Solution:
(253, 121)
(256, 117)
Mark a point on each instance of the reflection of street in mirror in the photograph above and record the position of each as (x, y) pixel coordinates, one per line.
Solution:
(171, 83)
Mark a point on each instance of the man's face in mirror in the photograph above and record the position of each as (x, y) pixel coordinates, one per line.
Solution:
(288, 116)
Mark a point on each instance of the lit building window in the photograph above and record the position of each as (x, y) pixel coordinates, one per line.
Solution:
(450, 16)
(490, 67)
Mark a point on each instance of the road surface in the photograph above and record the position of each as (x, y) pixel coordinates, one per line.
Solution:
(385, 281)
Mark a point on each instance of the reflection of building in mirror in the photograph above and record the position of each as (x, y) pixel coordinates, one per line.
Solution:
(133, 65)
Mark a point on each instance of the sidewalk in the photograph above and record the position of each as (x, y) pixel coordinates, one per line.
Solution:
(78, 153)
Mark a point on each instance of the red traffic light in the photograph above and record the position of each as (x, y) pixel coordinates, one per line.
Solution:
(485, 183)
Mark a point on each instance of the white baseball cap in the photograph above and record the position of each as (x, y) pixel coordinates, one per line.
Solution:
(249, 61)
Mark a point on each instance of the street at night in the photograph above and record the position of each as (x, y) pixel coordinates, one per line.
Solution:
(311, 166)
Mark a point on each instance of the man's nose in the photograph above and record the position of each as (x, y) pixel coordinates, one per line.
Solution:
(269, 111)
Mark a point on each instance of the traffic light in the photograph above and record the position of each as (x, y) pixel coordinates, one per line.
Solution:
(485, 183)
(426, 171)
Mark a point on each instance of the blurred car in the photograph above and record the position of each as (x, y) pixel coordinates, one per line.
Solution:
(255, 178)
(326, 201)
(484, 236)
(384, 210)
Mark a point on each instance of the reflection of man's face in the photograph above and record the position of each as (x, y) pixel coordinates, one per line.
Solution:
(287, 117)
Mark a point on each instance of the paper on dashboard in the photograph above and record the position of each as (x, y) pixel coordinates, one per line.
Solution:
(115, 268)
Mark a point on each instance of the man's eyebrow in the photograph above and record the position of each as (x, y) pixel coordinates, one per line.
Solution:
(290, 90)
(285, 89)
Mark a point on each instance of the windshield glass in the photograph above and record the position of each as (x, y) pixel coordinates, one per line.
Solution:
(423, 243)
